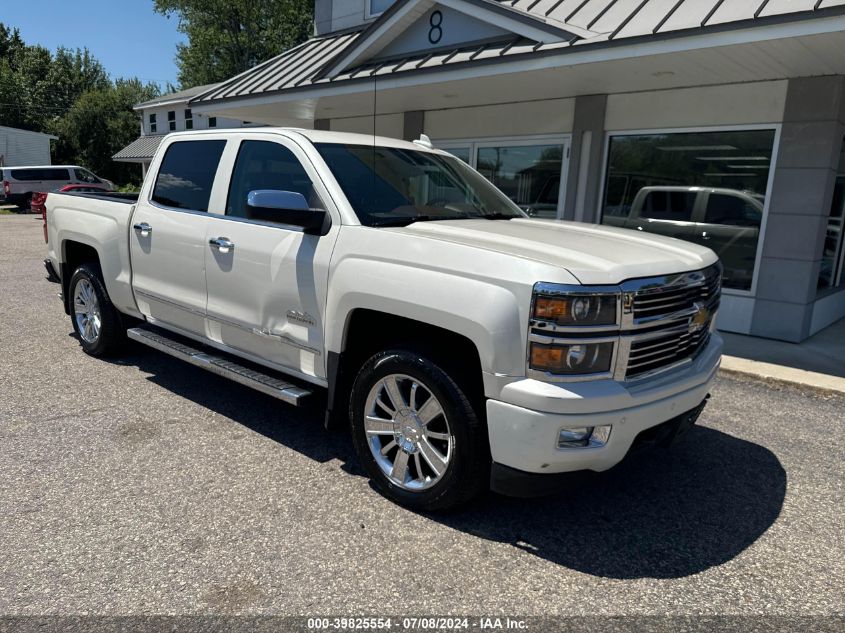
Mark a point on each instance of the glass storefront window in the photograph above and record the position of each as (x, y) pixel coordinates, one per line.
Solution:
(705, 187)
(459, 152)
(528, 174)
(833, 243)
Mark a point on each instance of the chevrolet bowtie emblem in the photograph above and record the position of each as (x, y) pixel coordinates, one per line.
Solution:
(700, 319)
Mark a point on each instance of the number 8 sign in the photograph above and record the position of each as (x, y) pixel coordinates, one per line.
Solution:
(435, 20)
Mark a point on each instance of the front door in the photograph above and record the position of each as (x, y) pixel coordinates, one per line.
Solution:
(167, 237)
(267, 280)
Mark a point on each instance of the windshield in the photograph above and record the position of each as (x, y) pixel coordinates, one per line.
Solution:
(389, 186)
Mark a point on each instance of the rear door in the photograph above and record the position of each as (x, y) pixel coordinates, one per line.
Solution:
(167, 236)
(267, 291)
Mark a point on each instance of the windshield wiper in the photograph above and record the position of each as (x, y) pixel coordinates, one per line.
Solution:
(410, 219)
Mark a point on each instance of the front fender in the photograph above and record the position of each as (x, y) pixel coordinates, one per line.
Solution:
(488, 314)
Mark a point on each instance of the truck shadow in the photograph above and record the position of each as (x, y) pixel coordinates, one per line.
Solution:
(660, 514)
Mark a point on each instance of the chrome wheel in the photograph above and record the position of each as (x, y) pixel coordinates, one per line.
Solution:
(407, 432)
(86, 311)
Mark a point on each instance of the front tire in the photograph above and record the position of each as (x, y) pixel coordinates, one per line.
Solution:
(95, 320)
(417, 433)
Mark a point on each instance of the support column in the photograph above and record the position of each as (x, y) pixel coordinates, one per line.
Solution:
(583, 179)
(799, 207)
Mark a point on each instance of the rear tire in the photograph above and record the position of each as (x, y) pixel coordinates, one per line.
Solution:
(96, 321)
(417, 433)
(27, 202)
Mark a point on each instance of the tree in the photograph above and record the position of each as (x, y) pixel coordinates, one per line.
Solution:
(226, 37)
(68, 93)
(99, 124)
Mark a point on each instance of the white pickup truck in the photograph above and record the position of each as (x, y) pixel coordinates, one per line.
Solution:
(468, 345)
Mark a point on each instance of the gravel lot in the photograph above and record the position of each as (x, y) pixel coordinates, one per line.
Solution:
(148, 486)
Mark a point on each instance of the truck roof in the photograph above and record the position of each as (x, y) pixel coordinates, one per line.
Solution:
(315, 136)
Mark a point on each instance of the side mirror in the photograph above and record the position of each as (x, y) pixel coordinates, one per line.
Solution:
(287, 207)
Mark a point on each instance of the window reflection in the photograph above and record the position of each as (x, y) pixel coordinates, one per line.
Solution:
(709, 188)
(528, 174)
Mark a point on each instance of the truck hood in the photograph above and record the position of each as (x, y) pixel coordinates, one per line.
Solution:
(593, 254)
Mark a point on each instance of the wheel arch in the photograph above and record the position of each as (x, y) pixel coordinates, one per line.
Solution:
(74, 254)
(367, 331)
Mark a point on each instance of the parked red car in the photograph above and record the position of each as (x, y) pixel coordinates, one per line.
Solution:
(39, 197)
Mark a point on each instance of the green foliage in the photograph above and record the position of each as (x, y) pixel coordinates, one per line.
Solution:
(227, 37)
(99, 124)
(68, 93)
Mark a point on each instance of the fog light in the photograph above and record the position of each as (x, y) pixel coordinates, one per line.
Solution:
(574, 438)
(584, 437)
(601, 434)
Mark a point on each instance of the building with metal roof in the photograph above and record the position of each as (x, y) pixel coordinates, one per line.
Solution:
(715, 121)
(165, 114)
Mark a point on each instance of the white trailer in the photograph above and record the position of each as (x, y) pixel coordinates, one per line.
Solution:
(23, 147)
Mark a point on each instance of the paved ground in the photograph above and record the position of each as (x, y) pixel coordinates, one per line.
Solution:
(148, 486)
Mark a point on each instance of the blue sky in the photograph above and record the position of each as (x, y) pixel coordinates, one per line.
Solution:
(128, 38)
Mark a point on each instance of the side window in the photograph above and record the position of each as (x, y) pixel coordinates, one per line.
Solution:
(153, 125)
(669, 205)
(187, 174)
(26, 174)
(55, 174)
(266, 165)
(171, 120)
(83, 175)
(731, 210)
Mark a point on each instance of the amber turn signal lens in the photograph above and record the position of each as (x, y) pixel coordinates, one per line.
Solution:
(571, 360)
(547, 357)
(550, 309)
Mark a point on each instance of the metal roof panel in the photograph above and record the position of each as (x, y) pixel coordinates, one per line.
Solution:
(734, 11)
(689, 15)
(143, 147)
(779, 7)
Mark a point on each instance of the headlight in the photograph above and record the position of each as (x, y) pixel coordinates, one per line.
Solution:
(576, 309)
(572, 359)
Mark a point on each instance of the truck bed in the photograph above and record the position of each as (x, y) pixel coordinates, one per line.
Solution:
(116, 196)
(99, 221)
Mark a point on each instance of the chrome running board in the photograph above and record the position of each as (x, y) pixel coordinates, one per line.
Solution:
(224, 366)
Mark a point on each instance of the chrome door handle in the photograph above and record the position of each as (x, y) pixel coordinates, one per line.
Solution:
(222, 244)
(144, 228)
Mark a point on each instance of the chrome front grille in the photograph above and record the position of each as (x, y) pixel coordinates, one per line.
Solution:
(661, 301)
(674, 316)
(649, 355)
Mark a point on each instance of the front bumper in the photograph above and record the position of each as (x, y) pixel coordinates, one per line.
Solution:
(517, 483)
(524, 430)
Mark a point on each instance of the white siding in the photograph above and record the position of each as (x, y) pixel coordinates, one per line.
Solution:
(552, 116)
(200, 120)
(20, 147)
(737, 104)
(391, 125)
